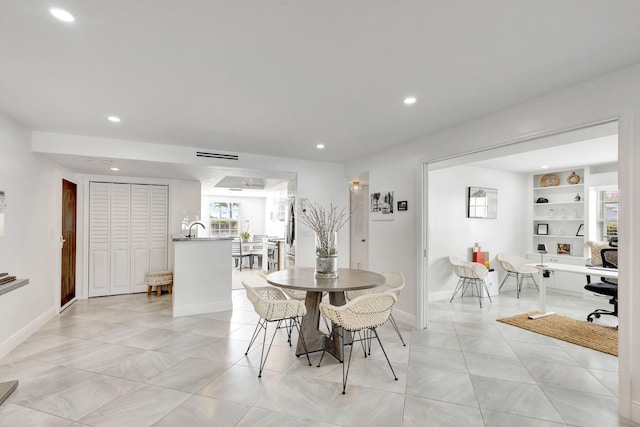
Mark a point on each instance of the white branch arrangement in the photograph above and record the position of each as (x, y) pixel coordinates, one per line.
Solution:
(325, 223)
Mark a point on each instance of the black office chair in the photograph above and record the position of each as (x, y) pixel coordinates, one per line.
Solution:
(607, 287)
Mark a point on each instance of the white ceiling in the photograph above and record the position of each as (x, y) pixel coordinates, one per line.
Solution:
(591, 146)
(277, 77)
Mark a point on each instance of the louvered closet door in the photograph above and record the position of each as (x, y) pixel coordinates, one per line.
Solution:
(159, 218)
(140, 235)
(120, 238)
(99, 239)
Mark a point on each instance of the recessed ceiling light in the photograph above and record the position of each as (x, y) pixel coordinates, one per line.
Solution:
(320, 146)
(410, 100)
(61, 14)
(544, 167)
(114, 119)
(115, 169)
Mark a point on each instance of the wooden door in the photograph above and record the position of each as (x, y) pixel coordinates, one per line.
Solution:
(68, 257)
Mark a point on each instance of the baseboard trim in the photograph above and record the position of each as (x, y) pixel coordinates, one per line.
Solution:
(20, 336)
(190, 310)
(404, 317)
(440, 295)
(635, 411)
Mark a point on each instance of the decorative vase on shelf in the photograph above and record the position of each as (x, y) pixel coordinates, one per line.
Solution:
(326, 255)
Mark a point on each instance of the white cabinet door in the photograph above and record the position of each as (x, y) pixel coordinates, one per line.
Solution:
(98, 239)
(128, 236)
(120, 237)
(140, 232)
(159, 218)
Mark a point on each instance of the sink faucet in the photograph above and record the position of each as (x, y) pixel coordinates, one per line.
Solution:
(191, 228)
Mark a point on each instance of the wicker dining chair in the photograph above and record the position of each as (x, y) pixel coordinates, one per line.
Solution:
(272, 305)
(360, 315)
(516, 266)
(394, 283)
(469, 273)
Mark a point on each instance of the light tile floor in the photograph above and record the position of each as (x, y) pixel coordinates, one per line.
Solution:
(124, 361)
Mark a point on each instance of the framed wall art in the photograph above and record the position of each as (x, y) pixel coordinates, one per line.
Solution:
(382, 206)
(542, 229)
(482, 202)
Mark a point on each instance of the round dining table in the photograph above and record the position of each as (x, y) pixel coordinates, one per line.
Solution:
(303, 278)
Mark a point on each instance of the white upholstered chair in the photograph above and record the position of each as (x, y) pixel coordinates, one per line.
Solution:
(394, 283)
(272, 305)
(517, 267)
(470, 273)
(362, 314)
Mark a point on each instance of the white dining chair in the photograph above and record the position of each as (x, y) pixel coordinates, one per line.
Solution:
(361, 315)
(517, 267)
(393, 282)
(272, 305)
(470, 273)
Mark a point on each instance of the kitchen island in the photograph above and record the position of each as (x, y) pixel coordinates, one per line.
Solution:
(201, 275)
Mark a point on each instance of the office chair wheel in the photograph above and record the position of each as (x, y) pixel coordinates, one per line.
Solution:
(589, 319)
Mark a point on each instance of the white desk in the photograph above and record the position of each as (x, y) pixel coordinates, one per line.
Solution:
(610, 273)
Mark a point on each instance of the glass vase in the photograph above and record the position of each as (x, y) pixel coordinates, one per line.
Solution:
(326, 255)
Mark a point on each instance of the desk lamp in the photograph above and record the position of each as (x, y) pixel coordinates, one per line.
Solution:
(542, 249)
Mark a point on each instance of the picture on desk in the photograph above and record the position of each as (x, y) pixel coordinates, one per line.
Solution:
(564, 248)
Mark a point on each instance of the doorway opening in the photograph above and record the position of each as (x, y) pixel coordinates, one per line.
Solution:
(511, 169)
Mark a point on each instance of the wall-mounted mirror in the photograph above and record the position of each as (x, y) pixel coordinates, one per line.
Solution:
(482, 202)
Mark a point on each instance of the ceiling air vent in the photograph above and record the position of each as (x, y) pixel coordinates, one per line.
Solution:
(217, 155)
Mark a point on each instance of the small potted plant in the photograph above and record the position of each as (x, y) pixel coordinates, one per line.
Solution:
(244, 235)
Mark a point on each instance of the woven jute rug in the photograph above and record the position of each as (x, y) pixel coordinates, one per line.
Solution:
(585, 334)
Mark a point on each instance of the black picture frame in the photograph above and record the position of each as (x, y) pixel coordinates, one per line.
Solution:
(402, 205)
(542, 229)
(580, 232)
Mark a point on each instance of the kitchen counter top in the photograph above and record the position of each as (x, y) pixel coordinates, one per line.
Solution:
(199, 239)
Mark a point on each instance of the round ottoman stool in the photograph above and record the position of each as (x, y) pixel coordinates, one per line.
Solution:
(159, 279)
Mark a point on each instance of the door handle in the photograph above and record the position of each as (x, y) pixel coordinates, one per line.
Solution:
(62, 240)
(363, 240)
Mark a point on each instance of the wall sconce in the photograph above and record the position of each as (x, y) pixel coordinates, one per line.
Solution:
(542, 249)
(355, 186)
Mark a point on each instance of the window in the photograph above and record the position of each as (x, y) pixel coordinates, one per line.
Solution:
(224, 219)
(607, 214)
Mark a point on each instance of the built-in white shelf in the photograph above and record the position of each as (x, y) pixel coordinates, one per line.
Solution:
(559, 219)
(563, 236)
(560, 203)
(561, 187)
(10, 286)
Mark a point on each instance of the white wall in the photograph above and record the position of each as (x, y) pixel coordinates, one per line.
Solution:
(615, 95)
(274, 226)
(452, 233)
(323, 182)
(30, 247)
